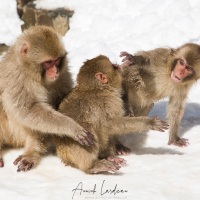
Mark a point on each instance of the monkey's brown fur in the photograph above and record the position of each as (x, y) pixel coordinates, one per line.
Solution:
(28, 97)
(148, 80)
(96, 104)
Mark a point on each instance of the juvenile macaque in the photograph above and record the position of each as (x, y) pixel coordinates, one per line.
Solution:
(96, 104)
(159, 73)
(34, 78)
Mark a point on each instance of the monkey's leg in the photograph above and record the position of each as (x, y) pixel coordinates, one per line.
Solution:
(175, 111)
(34, 149)
(137, 111)
(84, 158)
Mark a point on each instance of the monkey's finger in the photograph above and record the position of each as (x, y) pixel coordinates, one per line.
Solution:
(182, 142)
(90, 137)
(123, 53)
(118, 161)
(25, 166)
(17, 160)
(83, 140)
(125, 59)
(1, 162)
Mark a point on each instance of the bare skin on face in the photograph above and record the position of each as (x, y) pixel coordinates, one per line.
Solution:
(34, 78)
(149, 76)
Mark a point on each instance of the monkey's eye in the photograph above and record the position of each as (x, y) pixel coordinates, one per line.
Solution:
(182, 62)
(49, 63)
(58, 61)
(190, 69)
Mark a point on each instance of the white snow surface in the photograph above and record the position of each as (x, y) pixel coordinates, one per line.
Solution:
(155, 170)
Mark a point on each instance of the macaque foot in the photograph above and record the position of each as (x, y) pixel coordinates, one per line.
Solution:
(119, 161)
(159, 125)
(104, 165)
(85, 138)
(122, 150)
(180, 142)
(1, 162)
(24, 163)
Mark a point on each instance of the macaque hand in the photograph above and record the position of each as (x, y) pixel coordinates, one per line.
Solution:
(85, 138)
(180, 142)
(159, 125)
(127, 60)
(133, 60)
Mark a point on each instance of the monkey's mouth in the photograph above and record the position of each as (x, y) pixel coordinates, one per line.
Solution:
(175, 78)
(52, 73)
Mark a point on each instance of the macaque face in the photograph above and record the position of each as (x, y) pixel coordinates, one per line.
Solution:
(181, 71)
(52, 68)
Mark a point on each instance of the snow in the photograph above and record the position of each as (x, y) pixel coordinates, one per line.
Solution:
(154, 170)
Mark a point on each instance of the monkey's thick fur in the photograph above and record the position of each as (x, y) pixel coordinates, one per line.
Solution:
(149, 80)
(29, 98)
(97, 106)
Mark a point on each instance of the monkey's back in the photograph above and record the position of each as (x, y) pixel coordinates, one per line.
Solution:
(94, 110)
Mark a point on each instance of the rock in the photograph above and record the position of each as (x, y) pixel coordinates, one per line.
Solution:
(20, 5)
(58, 18)
(3, 48)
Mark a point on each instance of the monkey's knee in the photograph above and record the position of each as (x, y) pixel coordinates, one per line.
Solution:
(77, 156)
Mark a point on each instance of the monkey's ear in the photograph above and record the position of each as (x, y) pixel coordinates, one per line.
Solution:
(24, 49)
(101, 77)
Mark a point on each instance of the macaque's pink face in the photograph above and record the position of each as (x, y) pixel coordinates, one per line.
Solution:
(52, 68)
(181, 71)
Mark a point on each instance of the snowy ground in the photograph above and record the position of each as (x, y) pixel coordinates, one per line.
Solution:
(155, 170)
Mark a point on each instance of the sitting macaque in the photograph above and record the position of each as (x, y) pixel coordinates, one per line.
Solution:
(149, 76)
(96, 104)
(34, 78)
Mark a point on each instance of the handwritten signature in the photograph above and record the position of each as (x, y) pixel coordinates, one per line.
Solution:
(79, 190)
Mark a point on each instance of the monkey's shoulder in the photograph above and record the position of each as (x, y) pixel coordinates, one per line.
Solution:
(91, 102)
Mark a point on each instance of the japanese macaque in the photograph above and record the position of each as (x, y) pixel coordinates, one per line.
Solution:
(149, 76)
(34, 78)
(96, 104)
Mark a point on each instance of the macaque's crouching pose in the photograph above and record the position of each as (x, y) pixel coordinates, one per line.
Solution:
(96, 104)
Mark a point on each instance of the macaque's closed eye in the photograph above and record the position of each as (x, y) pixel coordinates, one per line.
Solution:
(49, 63)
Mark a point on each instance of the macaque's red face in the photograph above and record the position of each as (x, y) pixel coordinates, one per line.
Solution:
(52, 68)
(181, 71)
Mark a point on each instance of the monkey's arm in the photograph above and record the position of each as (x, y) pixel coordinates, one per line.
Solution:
(175, 110)
(126, 125)
(144, 58)
(42, 117)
